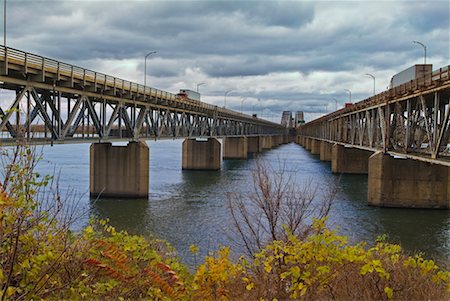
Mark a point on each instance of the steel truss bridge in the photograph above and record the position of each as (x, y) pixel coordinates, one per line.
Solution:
(411, 120)
(56, 102)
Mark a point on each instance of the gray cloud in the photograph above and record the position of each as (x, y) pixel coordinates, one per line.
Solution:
(295, 55)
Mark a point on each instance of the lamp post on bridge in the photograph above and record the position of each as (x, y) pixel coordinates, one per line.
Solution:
(424, 49)
(198, 85)
(242, 102)
(336, 103)
(225, 98)
(373, 77)
(349, 94)
(4, 23)
(145, 66)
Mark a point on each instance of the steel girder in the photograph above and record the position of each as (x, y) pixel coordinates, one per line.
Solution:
(48, 116)
(417, 125)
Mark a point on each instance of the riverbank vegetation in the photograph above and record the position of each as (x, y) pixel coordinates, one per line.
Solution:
(290, 251)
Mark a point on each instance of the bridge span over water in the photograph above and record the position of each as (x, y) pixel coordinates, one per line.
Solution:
(56, 102)
(400, 138)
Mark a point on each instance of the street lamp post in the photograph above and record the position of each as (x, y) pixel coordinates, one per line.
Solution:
(198, 85)
(424, 49)
(145, 67)
(242, 102)
(373, 77)
(349, 94)
(4, 23)
(225, 98)
(336, 103)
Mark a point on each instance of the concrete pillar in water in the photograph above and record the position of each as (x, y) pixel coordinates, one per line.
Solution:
(274, 140)
(254, 144)
(201, 154)
(395, 182)
(119, 171)
(308, 143)
(302, 141)
(315, 146)
(235, 148)
(325, 151)
(267, 142)
(349, 160)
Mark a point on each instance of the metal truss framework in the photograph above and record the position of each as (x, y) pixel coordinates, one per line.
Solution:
(56, 106)
(414, 121)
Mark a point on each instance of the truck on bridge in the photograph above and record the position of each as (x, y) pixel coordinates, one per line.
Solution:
(410, 74)
(189, 94)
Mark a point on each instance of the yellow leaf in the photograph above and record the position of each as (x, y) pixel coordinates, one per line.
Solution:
(250, 286)
(388, 292)
(10, 291)
(194, 249)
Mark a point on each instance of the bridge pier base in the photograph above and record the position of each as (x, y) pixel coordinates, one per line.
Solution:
(325, 151)
(303, 141)
(349, 160)
(266, 142)
(275, 140)
(201, 154)
(119, 171)
(308, 143)
(315, 146)
(235, 148)
(407, 183)
(254, 144)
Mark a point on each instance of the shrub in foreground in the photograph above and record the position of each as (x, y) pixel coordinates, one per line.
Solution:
(41, 259)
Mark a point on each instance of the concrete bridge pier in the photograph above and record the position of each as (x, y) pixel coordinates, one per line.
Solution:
(266, 142)
(315, 146)
(254, 144)
(302, 141)
(398, 182)
(275, 140)
(119, 171)
(325, 150)
(235, 148)
(201, 154)
(308, 143)
(349, 160)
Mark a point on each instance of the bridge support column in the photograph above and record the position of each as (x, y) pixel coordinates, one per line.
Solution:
(275, 141)
(315, 146)
(308, 143)
(267, 142)
(325, 151)
(235, 148)
(201, 154)
(302, 140)
(119, 171)
(254, 144)
(407, 183)
(349, 160)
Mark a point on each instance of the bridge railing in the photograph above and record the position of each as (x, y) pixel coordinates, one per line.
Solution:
(60, 71)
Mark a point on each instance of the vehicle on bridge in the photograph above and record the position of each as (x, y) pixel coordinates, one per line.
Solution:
(189, 95)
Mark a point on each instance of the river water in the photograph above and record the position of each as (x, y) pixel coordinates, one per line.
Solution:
(189, 207)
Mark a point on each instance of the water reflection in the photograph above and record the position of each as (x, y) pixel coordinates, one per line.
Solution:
(186, 207)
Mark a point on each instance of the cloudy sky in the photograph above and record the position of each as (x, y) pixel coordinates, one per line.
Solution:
(273, 55)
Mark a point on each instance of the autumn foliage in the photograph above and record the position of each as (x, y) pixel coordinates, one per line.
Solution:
(41, 259)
